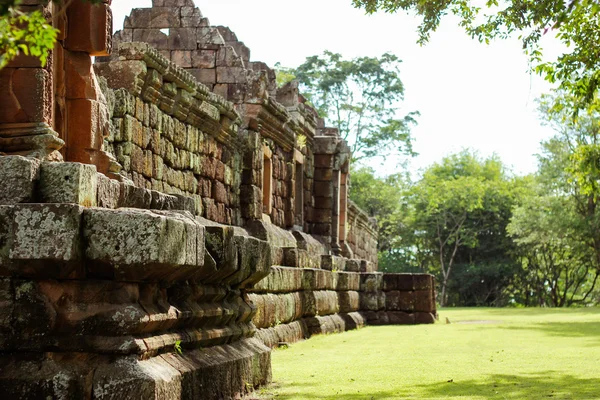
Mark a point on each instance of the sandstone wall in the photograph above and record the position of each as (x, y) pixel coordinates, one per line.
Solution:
(208, 222)
(294, 304)
(362, 234)
(171, 134)
(120, 291)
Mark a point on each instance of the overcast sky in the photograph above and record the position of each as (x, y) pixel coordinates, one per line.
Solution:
(469, 95)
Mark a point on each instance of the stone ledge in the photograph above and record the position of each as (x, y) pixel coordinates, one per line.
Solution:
(220, 372)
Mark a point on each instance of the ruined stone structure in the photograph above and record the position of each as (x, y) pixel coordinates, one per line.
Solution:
(169, 215)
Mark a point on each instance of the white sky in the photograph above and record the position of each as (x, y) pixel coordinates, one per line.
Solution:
(469, 95)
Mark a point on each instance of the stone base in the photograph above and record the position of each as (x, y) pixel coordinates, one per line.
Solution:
(220, 372)
(308, 327)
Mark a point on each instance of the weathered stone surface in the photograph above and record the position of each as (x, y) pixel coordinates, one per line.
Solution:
(134, 197)
(69, 183)
(140, 245)
(422, 282)
(404, 282)
(348, 281)
(424, 301)
(400, 318)
(424, 318)
(318, 279)
(371, 282)
(41, 240)
(108, 193)
(20, 175)
(62, 377)
(353, 266)
(372, 301)
(349, 301)
(6, 314)
(221, 246)
(319, 303)
(281, 280)
(333, 263)
(254, 259)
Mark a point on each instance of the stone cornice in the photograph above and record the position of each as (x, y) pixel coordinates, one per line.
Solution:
(360, 218)
(174, 90)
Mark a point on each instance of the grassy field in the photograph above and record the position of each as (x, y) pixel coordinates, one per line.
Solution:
(481, 354)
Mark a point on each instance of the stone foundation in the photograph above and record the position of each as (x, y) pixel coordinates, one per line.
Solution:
(201, 217)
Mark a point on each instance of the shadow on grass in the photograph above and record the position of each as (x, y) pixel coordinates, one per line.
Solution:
(546, 385)
(528, 386)
(564, 329)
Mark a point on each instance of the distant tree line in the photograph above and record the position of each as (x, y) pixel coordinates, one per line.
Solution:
(492, 238)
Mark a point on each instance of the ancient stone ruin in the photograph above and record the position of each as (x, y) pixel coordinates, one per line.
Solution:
(168, 215)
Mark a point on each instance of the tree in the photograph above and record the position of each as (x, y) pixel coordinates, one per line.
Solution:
(575, 23)
(361, 98)
(458, 212)
(559, 266)
(441, 210)
(558, 227)
(382, 198)
(27, 33)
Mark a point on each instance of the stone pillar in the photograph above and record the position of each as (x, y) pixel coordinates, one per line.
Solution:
(44, 108)
(26, 92)
(88, 33)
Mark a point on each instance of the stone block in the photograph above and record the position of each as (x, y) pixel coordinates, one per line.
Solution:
(400, 318)
(372, 282)
(41, 240)
(403, 282)
(182, 39)
(90, 28)
(318, 279)
(254, 259)
(88, 125)
(221, 246)
(18, 175)
(134, 197)
(6, 314)
(353, 265)
(323, 189)
(231, 75)
(183, 58)
(323, 161)
(154, 37)
(25, 378)
(333, 263)
(323, 174)
(204, 59)
(349, 301)
(80, 80)
(367, 266)
(206, 76)
(322, 302)
(281, 280)
(139, 245)
(109, 192)
(424, 318)
(348, 281)
(424, 301)
(73, 183)
(423, 282)
(26, 95)
(370, 301)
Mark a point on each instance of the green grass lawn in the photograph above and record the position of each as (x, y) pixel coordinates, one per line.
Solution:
(516, 354)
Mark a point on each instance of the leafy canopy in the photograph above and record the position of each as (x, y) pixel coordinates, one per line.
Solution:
(361, 98)
(575, 23)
